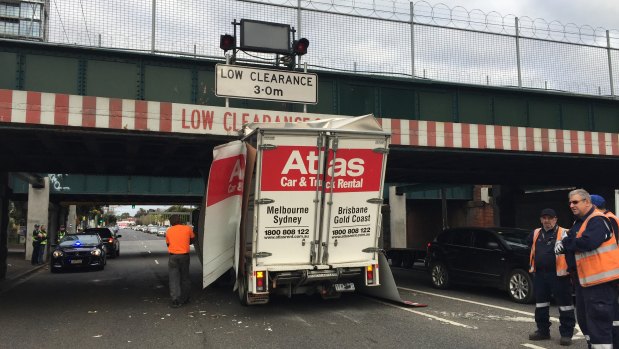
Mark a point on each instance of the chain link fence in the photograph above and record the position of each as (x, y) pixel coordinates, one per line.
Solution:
(388, 38)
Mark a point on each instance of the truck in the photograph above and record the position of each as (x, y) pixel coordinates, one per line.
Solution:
(296, 209)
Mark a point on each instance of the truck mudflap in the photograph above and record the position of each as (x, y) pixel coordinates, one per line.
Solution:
(387, 290)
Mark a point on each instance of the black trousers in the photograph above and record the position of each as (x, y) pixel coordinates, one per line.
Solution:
(178, 273)
(547, 284)
(35, 254)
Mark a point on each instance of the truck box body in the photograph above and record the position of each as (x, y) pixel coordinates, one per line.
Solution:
(312, 216)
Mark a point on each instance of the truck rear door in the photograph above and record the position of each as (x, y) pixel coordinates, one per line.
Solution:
(353, 196)
(287, 198)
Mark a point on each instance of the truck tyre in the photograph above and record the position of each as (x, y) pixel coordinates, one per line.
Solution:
(395, 258)
(520, 286)
(243, 292)
(439, 275)
(408, 260)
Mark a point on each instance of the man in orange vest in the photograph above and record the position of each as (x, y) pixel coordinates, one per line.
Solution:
(550, 278)
(593, 254)
(178, 238)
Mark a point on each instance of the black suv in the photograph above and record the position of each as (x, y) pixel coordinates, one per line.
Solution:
(110, 240)
(495, 257)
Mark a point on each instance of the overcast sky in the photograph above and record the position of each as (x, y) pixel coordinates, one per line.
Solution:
(596, 13)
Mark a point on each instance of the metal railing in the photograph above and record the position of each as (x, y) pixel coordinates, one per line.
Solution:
(389, 38)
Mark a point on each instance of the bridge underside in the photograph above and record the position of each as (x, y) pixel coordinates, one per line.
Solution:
(95, 152)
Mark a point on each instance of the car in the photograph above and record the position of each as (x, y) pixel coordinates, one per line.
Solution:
(161, 231)
(153, 230)
(110, 240)
(84, 250)
(496, 257)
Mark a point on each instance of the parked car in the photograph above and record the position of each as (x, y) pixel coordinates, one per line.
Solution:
(161, 231)
(153, 229)
(110, 240)
(495, 257)
(83, 250)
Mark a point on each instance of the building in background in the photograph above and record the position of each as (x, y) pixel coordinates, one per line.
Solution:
(26, 20)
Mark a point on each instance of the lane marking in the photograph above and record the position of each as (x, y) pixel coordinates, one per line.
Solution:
(156, 261)
(532, 346)
(427, 315)
(577, 335)
(468, 301)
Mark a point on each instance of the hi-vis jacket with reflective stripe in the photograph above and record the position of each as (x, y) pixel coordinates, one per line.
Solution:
(600, 265)
(560, 259)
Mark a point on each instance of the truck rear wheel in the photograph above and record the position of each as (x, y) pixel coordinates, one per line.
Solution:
(243, 291)
(395, 258)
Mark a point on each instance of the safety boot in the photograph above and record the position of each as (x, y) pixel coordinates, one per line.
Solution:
(538, 336)
(565, 341)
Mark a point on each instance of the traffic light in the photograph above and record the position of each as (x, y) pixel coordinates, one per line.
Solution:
(299, 47)
(227, 42)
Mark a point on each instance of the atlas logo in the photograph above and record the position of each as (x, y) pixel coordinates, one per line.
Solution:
(353, 167)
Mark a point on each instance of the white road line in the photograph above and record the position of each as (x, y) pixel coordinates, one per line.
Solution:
(468, 301)
(577, 335)
(532, 346)
(427, 315)
(156, 261)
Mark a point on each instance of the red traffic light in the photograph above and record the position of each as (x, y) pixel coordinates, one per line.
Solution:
(299, 47)
(227, 42)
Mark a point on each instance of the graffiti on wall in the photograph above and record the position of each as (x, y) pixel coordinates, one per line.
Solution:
(55, 181)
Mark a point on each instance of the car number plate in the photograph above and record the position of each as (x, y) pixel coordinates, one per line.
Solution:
(346, 287)
(76, 261)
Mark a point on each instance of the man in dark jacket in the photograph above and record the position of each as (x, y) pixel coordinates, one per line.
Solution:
(550, 278)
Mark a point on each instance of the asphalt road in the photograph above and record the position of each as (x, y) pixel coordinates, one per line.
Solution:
(127, 306)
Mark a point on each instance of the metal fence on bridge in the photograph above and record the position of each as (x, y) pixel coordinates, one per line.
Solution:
(364, 36)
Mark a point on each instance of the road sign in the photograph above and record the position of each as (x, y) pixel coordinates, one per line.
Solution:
(266, 84)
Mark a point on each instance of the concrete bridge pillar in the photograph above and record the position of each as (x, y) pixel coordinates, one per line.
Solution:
(38, 212)
(4, 222)
(72, 220)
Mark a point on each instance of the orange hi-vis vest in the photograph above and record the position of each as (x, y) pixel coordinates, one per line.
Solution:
(612, 216)
(560, 259)
(600, 265)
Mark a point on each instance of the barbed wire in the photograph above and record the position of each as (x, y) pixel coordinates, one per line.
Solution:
(458, 17)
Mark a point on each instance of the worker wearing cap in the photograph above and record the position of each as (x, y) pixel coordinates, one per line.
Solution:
(592, 256)
(61, 233)
(600, 205)
(550, 278)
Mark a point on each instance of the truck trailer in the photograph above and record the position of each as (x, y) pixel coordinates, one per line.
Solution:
(296, 209)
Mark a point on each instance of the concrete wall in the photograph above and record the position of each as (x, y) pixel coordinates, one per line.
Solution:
(38, 212)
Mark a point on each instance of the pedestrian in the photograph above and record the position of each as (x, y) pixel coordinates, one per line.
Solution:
(178, 238)
(600, 204)
(61, 233)
(550, 277)
(591, 249)
(43, 244)
(36, 245)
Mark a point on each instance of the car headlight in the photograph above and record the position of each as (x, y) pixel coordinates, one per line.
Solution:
(95, 252)
(57, 254)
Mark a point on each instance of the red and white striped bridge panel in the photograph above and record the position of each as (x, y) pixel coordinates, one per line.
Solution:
(37, 108)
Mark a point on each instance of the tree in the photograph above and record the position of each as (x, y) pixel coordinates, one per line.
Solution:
(125, 215)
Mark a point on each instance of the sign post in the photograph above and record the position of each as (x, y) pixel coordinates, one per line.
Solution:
(266, 84)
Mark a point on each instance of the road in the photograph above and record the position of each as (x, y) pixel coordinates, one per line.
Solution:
(127, 306)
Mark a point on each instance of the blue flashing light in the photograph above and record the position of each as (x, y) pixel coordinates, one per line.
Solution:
(77, 243)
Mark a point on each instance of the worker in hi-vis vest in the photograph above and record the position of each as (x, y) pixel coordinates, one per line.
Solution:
(592, 257)
(550, 277)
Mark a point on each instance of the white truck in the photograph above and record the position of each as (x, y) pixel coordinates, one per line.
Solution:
(295, 208)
